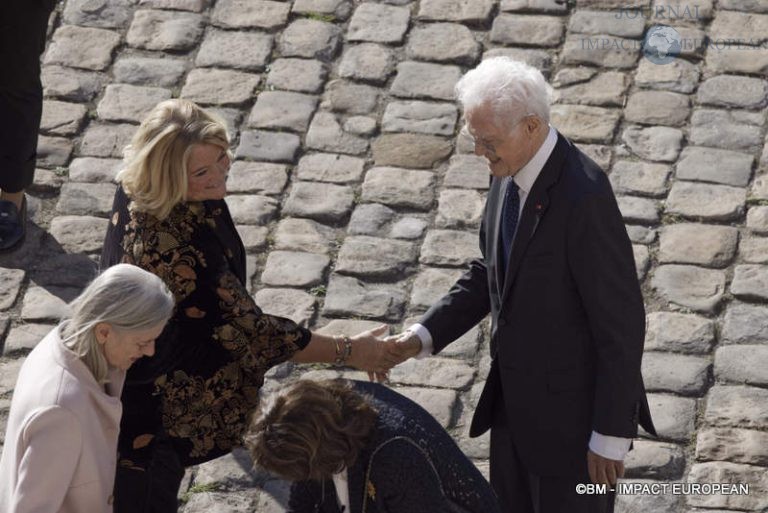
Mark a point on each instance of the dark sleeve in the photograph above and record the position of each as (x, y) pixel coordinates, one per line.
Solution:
(305, 497)
(602, 263)
(465, 304)
(404, 481)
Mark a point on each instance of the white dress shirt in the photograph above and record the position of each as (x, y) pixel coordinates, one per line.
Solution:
(341, 483)
(611, 447)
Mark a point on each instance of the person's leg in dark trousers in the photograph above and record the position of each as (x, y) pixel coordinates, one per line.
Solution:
(509, 479)
(154, 490)
(558, 495)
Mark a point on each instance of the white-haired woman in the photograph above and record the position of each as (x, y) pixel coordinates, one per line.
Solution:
(61, 440)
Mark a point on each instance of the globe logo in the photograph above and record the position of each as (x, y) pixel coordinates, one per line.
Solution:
(661, 44)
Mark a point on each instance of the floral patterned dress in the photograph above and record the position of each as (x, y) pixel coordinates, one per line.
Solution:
(201, 387)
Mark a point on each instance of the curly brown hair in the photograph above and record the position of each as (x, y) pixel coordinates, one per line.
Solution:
(312, 430)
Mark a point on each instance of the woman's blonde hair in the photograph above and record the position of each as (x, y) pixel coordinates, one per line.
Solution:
(124, 296)
(155, 172)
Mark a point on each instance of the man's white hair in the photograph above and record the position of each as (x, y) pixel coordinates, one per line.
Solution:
(512, 88)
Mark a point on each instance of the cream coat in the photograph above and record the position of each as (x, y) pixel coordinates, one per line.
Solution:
(61, 441)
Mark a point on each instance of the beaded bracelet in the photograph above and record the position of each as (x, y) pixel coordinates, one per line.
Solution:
(343, 350)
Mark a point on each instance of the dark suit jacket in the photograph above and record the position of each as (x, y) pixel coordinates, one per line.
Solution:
(568, 321)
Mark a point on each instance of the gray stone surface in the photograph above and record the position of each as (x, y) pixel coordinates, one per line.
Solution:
(378, 23)
(700, 244)
(606, 22)
(70, 84)
(654, 143)
(639, 210)
(679, 75)
(754, 250)
(150, 71)
(430, 285)
(637, 503)
(467, 171)
(742, 364)
(674, 417)
(439, 403)
(10, 285)
(329, 167)
(219, 87)
(420, 117)
(600, 89)
(326, 134)
(90, 169)
(410, 150)
(600, 50)
(750, 282)
(737, 406)
(655, 460)
(732, 130)
(86, 199)
(585, 124)
(123, 102)
(309, 38)
(465, 11)
(678, 374)
(264, 177)
(657, 108)
(733, 473)
(539, 59)
(303, 235)
(176, 5)
(375, 258)
(452, 248)
(644, 178)
(348, 296)
(533, 5)
(683, 333)
(735, 445)
(399, 187)
(43, 304)
(738, 59)
(98, 13)
(300, 75)
(80, 47)
(251, 209)
(757, 219)
(291, 303)
(534, 30)
(294, 269)
(370, 219)
(458, 208)
(689, 286)
(425, 80)
(360, 125)
(319, 201)
(744, 324)
(715, 166)
(704, 201)
(433, 372)
(23, 338)
(733, 91)
(367, 61)
(269, 146)
(79, 234)
(53, 151)
(282, 110)
(164, 30)
(337, 8)
(427, 43)
(254, 237)
(62, 118)
(235, 49)
(349, 97)
(641, 234)
(264, 14)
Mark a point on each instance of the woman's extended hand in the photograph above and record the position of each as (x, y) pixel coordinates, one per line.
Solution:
(373, 354)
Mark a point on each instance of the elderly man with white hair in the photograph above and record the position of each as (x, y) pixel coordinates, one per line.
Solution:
(564, 394)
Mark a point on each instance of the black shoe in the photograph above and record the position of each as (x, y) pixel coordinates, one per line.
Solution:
(13, 224)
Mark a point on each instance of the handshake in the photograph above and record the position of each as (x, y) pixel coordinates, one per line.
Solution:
(376, 354)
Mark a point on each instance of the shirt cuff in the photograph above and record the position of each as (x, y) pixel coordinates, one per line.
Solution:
(426, 340)
(611, 447)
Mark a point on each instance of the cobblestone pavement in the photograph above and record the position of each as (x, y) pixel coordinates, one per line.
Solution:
(356, 200)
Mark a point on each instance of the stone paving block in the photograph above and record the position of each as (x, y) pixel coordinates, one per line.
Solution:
(733, 25)
(367, 61)
(46, 303)
(757, 219)
(603, 89)
(70, 84)
(738, 59)
(303, 235)
(400, 187)
(94, 170)
(578, 75)
(600, 153)
(294, 269)
(427, 43)
(219, 87)
(528, 30)
(750, 282)
(264, 177)
(655, 460)
(264, 14)
(639, 178)
(410, 150)
(430, 285)
(269, 146)
(348, 296)
(360, 125)
(254, 237)
(451, 248)
(221, 502)
(641, 234)
(733, 91)
(737, 406)
(533, 6)
(735, 445)
(233, 49)
(539, 59)
(350, 98)
(744, 324)
(80, 47)
(462, 11)
(715, 165)
(370, 219)
(302, 75)
(376, 258)
(754, 250)
(232, 472)
(420, 117)
(310, 38)
(408, 228)
(326, 134)
(459, 208)
(657, 108)
(320, 201)
(606, 22)
(693, 41)
(79, 234)
(425, 80)
(123, 102)
(252, 209)
(164, 30)
(281, 109)
(176, 5)
(46, 181)
(742, 364)
(657, 143)
(585, 124)
(10, 285)
(53, 151)
(638, 210)
(732, 473)
(25, 337)
(467, 171)
(339, 9)
(710, 202)
(378, 23)
(730, 130)
(700, 244)
(433, 372)
(98, 13)
(744, 5)
(86, 199)
(292, 304)
(439, 403)
(679, 374)
(147, 71)
(689, 286)
(642, 259)
(600, 50)
(674, 417)
(759, 189)
(81, 270)
(679, 75)
(62, 118)
(329, 167)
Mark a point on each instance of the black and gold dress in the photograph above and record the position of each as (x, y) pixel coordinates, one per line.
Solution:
(199, 390)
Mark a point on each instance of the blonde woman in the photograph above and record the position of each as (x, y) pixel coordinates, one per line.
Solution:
(192, 401)
(61, 438)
